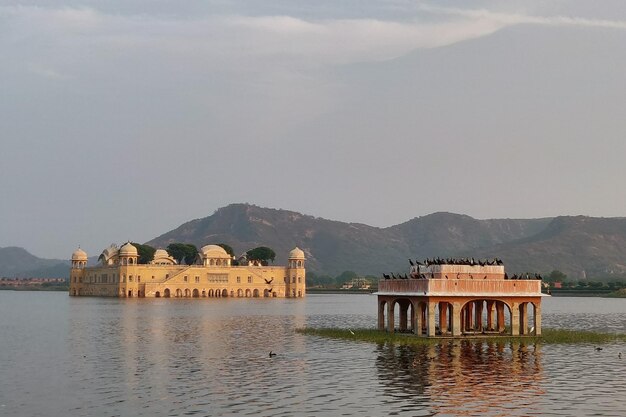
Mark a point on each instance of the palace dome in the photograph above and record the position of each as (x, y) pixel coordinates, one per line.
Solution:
(296, 253)
(161, 253)
(79, 255)
(128, 249)
(213, 251)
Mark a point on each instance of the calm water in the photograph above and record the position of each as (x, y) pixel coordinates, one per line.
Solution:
(62, 356)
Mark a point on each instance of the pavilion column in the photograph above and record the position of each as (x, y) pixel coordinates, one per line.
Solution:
(404, 310)
(381, 315)
(523, 318)
(500, 315)
(413, 317)
(537, 319)
(419, 318)
(490, 315)
(515, 319)
(431, 319)
(423, 312)
(390, 318)
(478, 317)
(443, 317)
(456, 319)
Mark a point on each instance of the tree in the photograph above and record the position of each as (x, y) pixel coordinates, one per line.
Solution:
(229, 250)
(262, 254)
(146, 252)
(556, 276)
(183, 251)
(345, 276)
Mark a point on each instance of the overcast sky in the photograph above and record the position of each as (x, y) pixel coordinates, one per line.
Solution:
(123, 119)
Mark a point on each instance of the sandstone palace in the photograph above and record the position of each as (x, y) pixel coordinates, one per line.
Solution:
(119, 274)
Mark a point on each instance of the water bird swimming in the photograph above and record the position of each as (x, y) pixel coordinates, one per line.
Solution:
(598, 349)
(272, 354)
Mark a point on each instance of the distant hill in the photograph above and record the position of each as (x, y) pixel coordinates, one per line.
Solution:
(18, 262)
(578, 246)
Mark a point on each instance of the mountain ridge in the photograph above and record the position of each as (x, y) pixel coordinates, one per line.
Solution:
(580, 246)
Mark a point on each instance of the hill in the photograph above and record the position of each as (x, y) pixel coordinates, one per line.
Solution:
(18, 262)
(580, 246)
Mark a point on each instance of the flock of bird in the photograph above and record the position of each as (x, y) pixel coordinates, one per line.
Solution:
(416, 273)
(457, 261)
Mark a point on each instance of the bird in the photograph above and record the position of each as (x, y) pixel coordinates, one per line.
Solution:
(619, 355)
(598, 349)
(351, 332)
(268, 281)
(411, 262)
(272, 354)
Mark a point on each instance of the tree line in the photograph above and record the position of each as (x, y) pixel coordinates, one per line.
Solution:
(187, 253)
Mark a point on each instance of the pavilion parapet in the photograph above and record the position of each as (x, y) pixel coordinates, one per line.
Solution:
(465, 271)
(459, 287)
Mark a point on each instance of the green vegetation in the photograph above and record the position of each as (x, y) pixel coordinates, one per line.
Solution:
(229, 250)
(183, 251)
(145, 252)
(549, 336)
(262, 254)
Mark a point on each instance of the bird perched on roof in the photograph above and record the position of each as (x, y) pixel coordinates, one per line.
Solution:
(411, 262)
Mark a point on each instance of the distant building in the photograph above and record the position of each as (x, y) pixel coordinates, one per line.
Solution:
(120, 275)
(357, 284)
(457, 300)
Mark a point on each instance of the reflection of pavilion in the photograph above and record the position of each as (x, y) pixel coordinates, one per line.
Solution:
(458, 377)
(461, 300)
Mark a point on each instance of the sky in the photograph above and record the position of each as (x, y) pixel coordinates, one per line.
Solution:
(122, 119)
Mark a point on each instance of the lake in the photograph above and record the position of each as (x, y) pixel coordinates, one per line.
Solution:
(80, 356)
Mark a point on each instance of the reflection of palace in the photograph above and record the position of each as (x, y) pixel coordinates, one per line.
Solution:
(120, 275)
(460, 300)
(458, 377)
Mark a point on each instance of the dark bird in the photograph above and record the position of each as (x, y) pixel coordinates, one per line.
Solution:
(446, 277)
(619, 355)
(419, 263)
(272, 354)
(411, 262)
(268, 281)
(598, 349)
(506, 276)
(386, 276)
(393, 276)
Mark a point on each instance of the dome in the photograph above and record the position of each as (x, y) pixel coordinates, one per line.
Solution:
(128, 249)
(214, 251)
(296, 253)
(79, 255)
(161, 253)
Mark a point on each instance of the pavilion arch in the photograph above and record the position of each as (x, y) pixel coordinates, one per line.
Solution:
(203, 293)
(166, 293)
(255, 293)
(266, 293)
(248, 293)
(224, 293)
(529, 318)
(187, 293)
(179, 293)
(486, 316)
(195, 293)
(157, 294)
(239, 292)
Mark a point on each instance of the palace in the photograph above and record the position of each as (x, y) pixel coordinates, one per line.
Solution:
(119, 274)
(460, 300)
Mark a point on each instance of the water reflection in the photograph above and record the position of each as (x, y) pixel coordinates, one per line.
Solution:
(463, 377)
